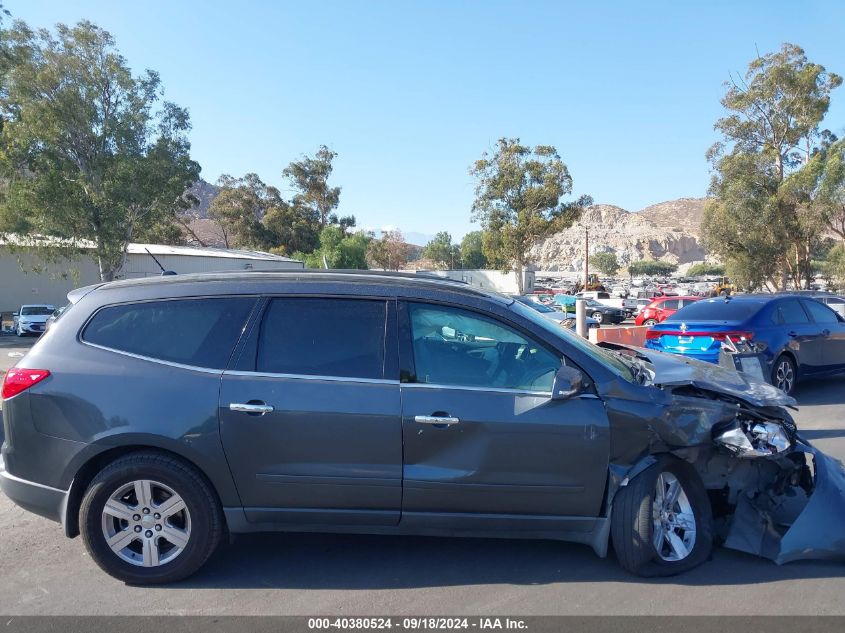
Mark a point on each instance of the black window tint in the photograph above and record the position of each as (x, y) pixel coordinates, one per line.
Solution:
(199, 332)
(458, 347)
(792, 312)
(820, 312)
(670, 304)
(323, 337)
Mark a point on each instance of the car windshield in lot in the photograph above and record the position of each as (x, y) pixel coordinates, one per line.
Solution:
(718, 310)
(609, 359)
(37, 310)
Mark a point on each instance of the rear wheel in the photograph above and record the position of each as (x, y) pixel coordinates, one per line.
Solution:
(784, 375)
(149, 518)
(661, 524)
(598, 316)
(650, 322)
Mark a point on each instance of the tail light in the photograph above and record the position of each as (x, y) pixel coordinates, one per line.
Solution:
(19, 379)
(653, 334)
(716, 336)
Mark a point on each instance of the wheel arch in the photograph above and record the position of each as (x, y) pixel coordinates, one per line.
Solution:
(97, 462)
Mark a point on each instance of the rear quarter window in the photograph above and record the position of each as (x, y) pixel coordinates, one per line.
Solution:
(198, 332)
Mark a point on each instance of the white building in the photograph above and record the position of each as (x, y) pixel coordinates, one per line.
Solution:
(20, 285)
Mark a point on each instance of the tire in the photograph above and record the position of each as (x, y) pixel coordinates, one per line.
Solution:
(195, 525)
(598, 316)
(633, 522)
(785, 374)
(650, 322)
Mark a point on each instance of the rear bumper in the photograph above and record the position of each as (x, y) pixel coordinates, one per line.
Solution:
(707, 358)
(38, 498)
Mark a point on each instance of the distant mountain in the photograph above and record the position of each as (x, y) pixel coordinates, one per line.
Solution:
(205, 192)
(668, 231)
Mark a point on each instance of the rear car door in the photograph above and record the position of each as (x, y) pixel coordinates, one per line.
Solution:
(482, 436)
(832, 333)
(310, 413)
(805, 339)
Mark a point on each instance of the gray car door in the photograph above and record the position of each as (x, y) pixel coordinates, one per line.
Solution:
(310, 416)
(482, 437)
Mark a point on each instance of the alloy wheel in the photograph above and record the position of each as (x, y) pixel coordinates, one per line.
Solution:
(673, 519)
(784, 376)
(146, 523)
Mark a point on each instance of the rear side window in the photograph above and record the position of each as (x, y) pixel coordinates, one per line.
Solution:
(670, 304)
(323, 337)
(820, 312)
(792, 312)
(199, 332)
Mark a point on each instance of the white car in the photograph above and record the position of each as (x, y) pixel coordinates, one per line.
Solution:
(32, 319)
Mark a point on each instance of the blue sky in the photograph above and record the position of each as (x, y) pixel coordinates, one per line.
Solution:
(410, 93)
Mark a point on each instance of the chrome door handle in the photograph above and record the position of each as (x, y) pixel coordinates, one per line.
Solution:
(435, 419)
(246, 407)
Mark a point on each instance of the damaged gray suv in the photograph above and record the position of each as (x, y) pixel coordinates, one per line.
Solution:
(157, 416)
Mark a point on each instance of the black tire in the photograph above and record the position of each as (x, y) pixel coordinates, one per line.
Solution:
(206, 517)
(632, 525)
(784, 374)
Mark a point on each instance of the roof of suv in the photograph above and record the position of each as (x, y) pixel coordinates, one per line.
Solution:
(386, 278)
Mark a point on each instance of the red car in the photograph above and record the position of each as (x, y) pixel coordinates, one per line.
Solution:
(661, 308)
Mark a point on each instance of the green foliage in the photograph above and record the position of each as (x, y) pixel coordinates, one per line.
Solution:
(518, 200)
(706, 270)
(88, 151)
(239, 208)
(651, 268)
(390, 252)
(763, 220)
(605, 262)
(338, 249)
(442, 251)
(472, 251)
(833, 266)
(309, 177)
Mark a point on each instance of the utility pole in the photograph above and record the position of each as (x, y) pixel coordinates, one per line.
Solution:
(586, 256)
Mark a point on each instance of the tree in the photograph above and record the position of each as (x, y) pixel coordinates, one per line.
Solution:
(89, 152)
(761, 220)
(338, 249)
(518, 200)
(834, 265)
(651, 268)
(605, 262)
(472, 251)
(291, 228)
(239, 208)
(309, 177)
(390, 252)
(441, 250)
(706, 270)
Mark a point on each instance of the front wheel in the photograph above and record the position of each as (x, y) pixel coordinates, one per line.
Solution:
(598, 316)
(661, 523)
(149, 518)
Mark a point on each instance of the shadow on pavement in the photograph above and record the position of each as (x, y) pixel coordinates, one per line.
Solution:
(822, 391)
(325, 561)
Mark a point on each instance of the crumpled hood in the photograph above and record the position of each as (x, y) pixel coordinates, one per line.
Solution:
(670, 369)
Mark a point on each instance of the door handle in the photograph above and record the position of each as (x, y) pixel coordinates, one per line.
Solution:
(436, 419)
(251, 407)
(825, 332)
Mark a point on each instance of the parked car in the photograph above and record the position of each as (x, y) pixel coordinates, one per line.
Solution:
(661, 308)
(604, 313)
(32, 319)
(800, 337)
(636, 305)
(557, 316)
(830, 299)
(161, 414)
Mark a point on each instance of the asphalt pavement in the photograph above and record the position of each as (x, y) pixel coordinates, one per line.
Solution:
(41, 572)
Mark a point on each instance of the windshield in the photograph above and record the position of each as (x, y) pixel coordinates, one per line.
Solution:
(617, 363)
(37, 310)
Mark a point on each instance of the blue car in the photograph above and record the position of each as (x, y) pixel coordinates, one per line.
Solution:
(799, 336)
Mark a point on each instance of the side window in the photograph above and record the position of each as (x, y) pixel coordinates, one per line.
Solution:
(792, 312)
(820, 312)
(670, 304)
(199, 332)
(458, 347)
(323, 337)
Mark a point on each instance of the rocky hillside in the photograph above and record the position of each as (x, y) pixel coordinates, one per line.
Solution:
(667, 231)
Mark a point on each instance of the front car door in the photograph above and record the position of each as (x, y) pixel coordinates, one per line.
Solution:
(482, 437)
(310, 413)
(832, 331)
(805, 339)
